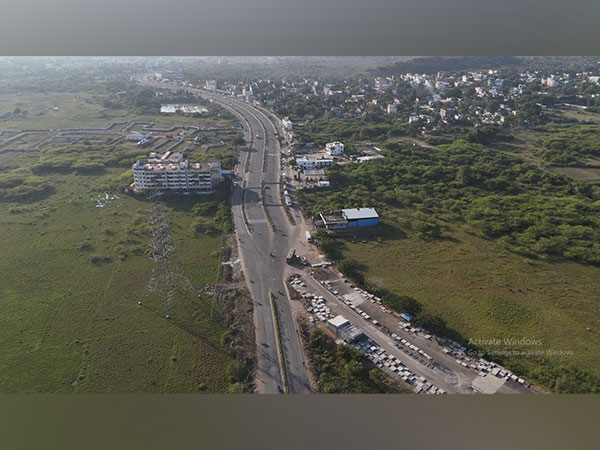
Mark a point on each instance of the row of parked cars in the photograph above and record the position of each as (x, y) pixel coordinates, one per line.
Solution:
(449, 346)
(483, 366)
(388, 362)
(318, 308)
(373, 350)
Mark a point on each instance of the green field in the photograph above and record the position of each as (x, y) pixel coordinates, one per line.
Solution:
(72, 275)
(65, 317)
(80, 109)
(484, 291)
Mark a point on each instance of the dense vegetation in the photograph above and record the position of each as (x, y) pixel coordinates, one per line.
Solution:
(344, 369)
(325, 130)
(499, 196)
(570, 145)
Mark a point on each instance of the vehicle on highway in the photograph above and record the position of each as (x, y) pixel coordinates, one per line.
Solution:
(258, 136)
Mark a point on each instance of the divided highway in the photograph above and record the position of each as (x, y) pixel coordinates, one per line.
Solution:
(262, 249)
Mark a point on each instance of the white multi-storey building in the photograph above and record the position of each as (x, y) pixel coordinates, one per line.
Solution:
(334, 148)
(287, 123)
(307, 164)
(168, 171)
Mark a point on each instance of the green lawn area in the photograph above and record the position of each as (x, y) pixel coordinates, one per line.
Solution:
(484, 291)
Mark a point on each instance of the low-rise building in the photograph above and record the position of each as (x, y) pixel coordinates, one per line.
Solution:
(169, 171)
(367, 158)
(211, 85)
(350, 218)
(287, 124)
(343, 328)
(337, 323)
(334, 148)
(307, 163)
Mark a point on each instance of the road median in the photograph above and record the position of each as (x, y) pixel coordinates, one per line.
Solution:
(286, 386)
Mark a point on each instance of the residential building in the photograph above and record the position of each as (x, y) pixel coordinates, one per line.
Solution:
(334, 148)
(169, 171)
(306, 163)
(287, 124)
(211, 85)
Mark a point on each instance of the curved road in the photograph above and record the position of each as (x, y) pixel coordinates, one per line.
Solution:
(262, 250)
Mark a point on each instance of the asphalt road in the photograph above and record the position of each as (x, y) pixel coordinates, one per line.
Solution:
(263, 250)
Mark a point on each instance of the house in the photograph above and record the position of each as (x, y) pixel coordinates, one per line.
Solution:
(334, 148)
(306, 163)
(287, 123)
(210, 85)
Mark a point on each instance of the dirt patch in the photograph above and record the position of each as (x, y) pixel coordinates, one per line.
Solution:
(580, 173)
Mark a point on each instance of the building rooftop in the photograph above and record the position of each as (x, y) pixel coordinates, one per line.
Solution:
(338, 321)
(333, 216)
(351, 332)
(170, 161)
(360, 213)
(314, 173)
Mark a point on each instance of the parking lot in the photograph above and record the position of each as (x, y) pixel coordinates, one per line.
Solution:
(424, 361)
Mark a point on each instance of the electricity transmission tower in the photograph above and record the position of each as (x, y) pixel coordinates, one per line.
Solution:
(167, 275)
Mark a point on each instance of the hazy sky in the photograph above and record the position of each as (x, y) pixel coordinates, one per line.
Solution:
(300, 27)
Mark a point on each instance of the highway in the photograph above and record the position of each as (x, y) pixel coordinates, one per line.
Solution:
(262, 248)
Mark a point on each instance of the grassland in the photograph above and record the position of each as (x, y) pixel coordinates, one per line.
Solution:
(72, 275)
(80, 109)
(484, 291)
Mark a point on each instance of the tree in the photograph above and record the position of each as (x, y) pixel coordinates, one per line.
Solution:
(431, 322)
(464, 176)
(352, 269)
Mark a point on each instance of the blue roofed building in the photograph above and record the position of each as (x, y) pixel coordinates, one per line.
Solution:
(350, 218)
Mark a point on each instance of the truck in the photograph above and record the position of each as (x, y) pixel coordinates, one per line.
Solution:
(291, 257)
